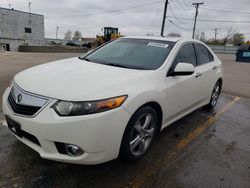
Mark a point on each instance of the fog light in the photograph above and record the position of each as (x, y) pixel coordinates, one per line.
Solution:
(73, 150)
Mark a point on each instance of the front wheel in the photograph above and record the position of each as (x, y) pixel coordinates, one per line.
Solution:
(139, 134)
(215, 96)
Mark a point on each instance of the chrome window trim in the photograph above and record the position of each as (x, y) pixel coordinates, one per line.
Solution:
(48, 101)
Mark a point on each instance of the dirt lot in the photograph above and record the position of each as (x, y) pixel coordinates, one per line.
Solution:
(204, 149)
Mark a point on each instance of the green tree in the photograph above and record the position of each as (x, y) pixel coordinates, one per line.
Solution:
(238, 39)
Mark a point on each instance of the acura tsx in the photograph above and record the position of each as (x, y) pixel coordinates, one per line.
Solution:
(113, 101)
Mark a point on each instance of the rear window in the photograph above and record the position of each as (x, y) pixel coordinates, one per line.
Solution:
(244, 48)
(203, 55)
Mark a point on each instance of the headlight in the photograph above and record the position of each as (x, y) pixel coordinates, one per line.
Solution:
(66, 108)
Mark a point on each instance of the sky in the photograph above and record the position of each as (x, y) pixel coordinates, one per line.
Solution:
(138, 17)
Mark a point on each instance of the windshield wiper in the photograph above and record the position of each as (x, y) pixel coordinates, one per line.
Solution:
(84, 58)
(117, 65)
(111, 64)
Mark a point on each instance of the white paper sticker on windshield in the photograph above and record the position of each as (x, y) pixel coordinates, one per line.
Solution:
(156, 44)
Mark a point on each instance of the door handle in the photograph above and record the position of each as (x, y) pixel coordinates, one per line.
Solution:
(215, 67)
(198, 75)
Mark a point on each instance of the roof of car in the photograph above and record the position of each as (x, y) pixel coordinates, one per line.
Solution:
(172, 39)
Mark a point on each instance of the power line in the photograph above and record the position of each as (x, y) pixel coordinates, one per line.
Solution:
(204, 16)
(221, 21)
(178, 5)
(175, 16)
(183, 6)
(183, 28)
(223, 10)
(157, 13)
(214, 9)
(108, 11)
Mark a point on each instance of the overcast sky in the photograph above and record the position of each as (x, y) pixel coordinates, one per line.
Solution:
(88, 17)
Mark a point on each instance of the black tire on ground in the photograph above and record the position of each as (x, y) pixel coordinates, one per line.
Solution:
(215, 96)
(132, 134)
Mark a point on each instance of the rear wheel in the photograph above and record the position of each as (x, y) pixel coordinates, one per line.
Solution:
(139, 134)
(215, 95)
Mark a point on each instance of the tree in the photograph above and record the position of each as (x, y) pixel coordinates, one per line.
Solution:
(238, 39)
(230, 33)
(173, 34)
(77, 35)
(68, 35)
(202, 37)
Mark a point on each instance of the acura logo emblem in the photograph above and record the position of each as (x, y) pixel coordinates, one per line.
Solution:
(19, 98)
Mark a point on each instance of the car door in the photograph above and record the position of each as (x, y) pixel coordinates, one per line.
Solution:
(206, 69)
(183, 92)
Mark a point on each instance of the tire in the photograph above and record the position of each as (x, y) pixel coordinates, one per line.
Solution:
(139, 133)
(215, 96)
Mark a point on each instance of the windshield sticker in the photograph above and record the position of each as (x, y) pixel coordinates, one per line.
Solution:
(156, 44)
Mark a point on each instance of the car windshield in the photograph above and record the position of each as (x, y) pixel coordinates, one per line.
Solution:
(142, 54)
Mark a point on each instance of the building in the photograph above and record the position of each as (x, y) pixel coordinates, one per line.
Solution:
(20, 28)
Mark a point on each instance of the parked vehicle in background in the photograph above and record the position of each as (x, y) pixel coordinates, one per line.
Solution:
(243, 53)
(114, 100)
(73, 43)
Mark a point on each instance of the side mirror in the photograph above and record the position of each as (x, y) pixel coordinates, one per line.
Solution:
(182, 69)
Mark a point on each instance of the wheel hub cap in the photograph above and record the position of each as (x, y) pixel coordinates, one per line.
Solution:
(142, 134)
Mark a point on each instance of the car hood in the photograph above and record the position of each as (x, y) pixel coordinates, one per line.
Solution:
(77, 80)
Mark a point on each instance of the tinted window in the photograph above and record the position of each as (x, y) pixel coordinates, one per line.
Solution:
(186, 55)
(211, 57)
(203, 55)
(133, 53)
(244, 48)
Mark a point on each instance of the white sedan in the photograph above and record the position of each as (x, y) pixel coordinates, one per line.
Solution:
(113, 101)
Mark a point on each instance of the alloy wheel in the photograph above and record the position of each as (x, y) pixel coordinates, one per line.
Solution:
(142, 134)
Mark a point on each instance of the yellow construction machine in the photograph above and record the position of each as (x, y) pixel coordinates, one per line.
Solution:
(109, 33)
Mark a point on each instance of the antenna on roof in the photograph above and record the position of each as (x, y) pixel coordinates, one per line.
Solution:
(30, 7)
(30, 10)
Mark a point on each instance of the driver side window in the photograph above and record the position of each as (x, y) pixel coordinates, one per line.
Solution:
(186, 55)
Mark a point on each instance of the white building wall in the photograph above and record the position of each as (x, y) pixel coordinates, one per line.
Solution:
(12, 28)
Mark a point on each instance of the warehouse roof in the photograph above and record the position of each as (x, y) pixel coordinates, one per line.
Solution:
(19, 11)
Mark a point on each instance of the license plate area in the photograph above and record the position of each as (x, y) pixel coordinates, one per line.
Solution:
(14, 126)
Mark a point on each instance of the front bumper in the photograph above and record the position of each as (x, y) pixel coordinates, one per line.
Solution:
(98, 135)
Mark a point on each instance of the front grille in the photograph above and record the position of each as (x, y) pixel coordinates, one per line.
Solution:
(22, 109)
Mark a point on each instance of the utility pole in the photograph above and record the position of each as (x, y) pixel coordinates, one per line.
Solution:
(196, 14)
(57, 28)
(164, 18)
(215, 33)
